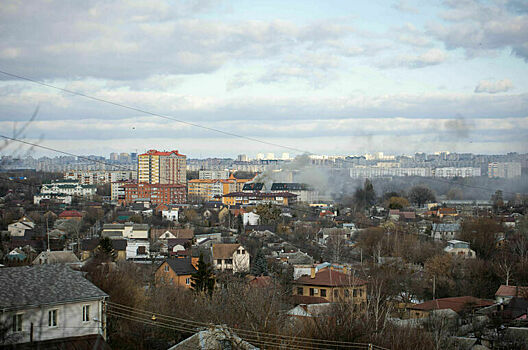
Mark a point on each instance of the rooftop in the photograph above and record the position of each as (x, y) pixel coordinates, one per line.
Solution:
(44, 285)
(456, 304)
(330, 278)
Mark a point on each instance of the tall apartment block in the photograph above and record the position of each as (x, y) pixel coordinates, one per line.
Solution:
(155, 167)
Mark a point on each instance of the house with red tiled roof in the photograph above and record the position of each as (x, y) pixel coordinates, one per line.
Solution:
(70, 214)
(506, 293)
(330, 285)
(457, 304)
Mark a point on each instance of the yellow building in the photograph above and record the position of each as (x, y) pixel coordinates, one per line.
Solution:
(329, 285)
(162, 167)
(208, 189)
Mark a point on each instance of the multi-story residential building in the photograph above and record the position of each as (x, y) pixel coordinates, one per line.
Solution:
(155, 193)
(331, 285)
(230, 257)
(117, 190)
(505, 170)
(155, 167)
(253, 198)
(303, 191)
(51, 303)
(456, 172)
(100, 177)
(52, 197)
(213, 174)
(209, 189)
(68, 187)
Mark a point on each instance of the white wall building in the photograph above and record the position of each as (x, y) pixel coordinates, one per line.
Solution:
(55, 197)
(250, 219)
(50, 302)
(68, 187)
(137, 249)
(230, 257)
(506, 170)
(213, 174)
(170, 214)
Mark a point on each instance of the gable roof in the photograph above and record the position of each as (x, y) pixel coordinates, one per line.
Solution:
(181, 266)
(330, 278)
(44, 285)
(291, 186)
(511, 291)
(56, 257)
(224, 250)
(70, 214)
(254, 186)
(456, 304)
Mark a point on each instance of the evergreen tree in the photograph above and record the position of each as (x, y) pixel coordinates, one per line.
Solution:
(240, 224)
(260, 265)
(106, 249)
(203, 280)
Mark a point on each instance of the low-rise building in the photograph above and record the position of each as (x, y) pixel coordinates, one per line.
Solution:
(50, 302)
(456, 304)
(208, 189)
(56, 257)
(460, 249)
(176, 272)
(445, 231)
(230, 257)
(330, 285)
(304, 192)
(126, 230)
(52, 197)
(506, 293)
(68, 187)
(19, 227)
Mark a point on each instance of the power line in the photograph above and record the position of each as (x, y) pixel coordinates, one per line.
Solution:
(98, 99)
(125, 308)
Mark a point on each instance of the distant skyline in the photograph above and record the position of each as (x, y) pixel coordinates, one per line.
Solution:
(327, 77)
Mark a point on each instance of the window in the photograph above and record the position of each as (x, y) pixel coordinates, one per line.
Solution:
(323, 292)
(355, 293)
(17, 323)
(299, 290)
(52, 318)
(219, 261)
(188, 281)
(141, 250)
(229, 261)
(312, 292)
(166, 268)
(347, 293)
(336, 293)
(86, 313)
(361, 292)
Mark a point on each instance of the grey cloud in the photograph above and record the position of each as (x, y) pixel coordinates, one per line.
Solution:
(493, 87)
(481, 29)
(404, 6)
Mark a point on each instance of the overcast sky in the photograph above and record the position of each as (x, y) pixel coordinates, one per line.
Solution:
(328, 77)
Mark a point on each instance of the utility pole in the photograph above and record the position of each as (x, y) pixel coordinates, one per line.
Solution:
(434, 287)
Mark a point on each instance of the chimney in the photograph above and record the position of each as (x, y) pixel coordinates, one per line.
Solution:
(312, 272)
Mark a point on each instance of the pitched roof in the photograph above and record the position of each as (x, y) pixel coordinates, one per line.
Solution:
(44, 285)
(330, 278)
(177, 232)
(511, 291)
(307, 299)
(154, 152)
(456, 304)
(56, 257)
(70, 213)
(224, 250)
(291, 186)
(119, 244)
(254, 186)
(181, 266)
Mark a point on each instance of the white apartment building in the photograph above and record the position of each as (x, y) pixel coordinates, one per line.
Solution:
(213, 174)
(384, 171)
(100, 177)
(456, 172)
(506, 170)
(68, 187)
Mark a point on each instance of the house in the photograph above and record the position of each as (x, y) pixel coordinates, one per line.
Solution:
(176, 272)
(330, 285)
(445, 231)
(56, 257)
(19, 228)
(126, 230)
(51, 302)
(230, 257)
(166, 233)
(250, 219)
(506, 293)
(303, 191)
(406, 216)
(456, 304)
(88, 247)
(16, 254)
(460, 249)
(70, 215)
(170, 213)
(214, 338)
(175, 245)
(325, 234)
(137, 249)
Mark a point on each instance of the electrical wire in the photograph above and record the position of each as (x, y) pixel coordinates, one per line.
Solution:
(238, 330)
